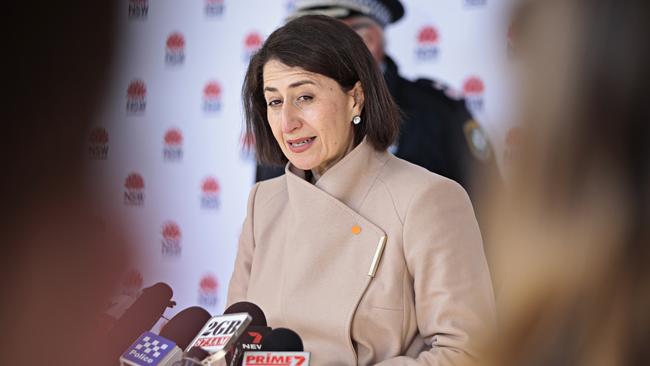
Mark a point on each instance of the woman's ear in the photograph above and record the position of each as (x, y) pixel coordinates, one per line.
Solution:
(358, 98)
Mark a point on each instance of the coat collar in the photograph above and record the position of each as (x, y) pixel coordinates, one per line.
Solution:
(349, 180)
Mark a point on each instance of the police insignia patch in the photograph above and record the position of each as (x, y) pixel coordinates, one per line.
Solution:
(477, 140)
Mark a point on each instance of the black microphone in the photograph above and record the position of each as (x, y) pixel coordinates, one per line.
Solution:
(281, 346)
(185, 325)
(251, 339)
(282, 340)
(257, 315)
(139, 317)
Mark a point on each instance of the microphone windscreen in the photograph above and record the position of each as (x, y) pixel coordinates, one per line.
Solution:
(259, 319)
(185, 325)
(140, 317)
(282, 340)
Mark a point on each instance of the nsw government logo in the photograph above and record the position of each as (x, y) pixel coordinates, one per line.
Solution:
(138, 9)
(212, 97)
(98, 144)
(214, 8)
(171, 239)
(252, 43)
(173, 145)
(210, 194)
(427, 48)
(134, 190)
(175, 49)
(136, 97)
(473, 89)
(132, 283)
(208, 289)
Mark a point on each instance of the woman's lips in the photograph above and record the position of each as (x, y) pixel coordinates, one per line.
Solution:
(302, 144)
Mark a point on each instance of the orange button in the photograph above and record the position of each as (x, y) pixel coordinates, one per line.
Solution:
(356, 230)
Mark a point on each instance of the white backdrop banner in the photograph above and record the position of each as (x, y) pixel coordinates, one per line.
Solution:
(167, 152)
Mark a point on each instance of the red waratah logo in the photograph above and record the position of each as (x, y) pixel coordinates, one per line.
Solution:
(98, 144)
(210, 186)
(173, 137)
(212, 97)
(137, 89)
(171, 231)
(173, 149)
(134, 181)
(134, 193)
(473, 86)
(427, 43)
(138, 9)
(209, 284)
(98, 136)
(253, 40)
(136, 95)
(428, 35)
(210, 193)
(175, 41)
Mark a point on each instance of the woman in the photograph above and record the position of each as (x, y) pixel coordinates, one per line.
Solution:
(369, 258)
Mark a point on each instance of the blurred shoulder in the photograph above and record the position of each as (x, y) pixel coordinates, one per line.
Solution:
(407, 182)
(270, 190)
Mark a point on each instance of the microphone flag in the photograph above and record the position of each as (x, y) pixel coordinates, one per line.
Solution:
(151, 349)
(257, 358)
(221, 332)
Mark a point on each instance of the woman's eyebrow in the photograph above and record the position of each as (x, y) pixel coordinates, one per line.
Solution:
(292, 85)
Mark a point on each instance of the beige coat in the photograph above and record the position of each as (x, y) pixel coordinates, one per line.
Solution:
(310, 255)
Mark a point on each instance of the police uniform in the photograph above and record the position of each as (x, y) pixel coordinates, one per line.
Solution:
(437, 131)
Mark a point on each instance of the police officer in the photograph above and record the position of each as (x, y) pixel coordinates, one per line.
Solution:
(437, 131)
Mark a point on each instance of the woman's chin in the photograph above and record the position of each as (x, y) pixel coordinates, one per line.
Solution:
(302, 164)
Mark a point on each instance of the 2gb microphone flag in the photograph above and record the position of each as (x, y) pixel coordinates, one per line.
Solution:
(221, 332)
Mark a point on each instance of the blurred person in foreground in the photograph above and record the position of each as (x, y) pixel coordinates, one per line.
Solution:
(573, 259)
(371, 259)
(437, 132)
(59, 263)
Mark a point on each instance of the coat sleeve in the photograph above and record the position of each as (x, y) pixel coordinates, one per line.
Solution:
(454, 301)
(238, 286)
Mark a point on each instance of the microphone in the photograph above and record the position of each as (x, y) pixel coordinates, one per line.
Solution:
(166, 349)
(184, 326)
(251, 338)
(141, 316)
(281, 346)
(219, 334)
(282, 340)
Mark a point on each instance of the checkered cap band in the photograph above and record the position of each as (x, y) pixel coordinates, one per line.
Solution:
(371, 8)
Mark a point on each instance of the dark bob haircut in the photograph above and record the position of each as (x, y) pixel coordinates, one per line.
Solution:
(325, 46)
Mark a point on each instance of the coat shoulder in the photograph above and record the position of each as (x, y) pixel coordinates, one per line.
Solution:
(270, 190)
(407, 182)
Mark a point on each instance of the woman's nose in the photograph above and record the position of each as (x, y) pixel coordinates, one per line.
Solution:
(290, 118)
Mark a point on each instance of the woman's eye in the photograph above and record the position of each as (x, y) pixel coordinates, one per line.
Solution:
(304, 98)
(274, 102)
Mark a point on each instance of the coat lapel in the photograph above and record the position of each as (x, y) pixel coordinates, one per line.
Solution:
(334, 250)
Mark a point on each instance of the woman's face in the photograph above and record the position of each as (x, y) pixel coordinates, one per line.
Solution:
(310, 115)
